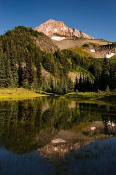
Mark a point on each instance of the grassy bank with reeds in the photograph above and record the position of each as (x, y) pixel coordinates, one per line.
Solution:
(18, 93)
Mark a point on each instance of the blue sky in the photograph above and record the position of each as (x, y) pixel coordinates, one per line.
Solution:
(94, 17)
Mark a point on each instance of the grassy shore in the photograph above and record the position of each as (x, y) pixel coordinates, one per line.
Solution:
(91, 95)
(21, 93)
(18, 93)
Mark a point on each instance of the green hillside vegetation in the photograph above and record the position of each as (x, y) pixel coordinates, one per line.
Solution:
(81, 52)
(29, 59)
(103, 40)
(90, 45)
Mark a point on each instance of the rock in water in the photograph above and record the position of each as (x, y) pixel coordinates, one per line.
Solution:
(93, 128)
(55, 141)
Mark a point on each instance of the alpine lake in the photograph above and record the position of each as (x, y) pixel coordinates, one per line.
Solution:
(58, 136)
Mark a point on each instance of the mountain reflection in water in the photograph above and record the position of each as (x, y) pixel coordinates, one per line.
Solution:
(27, 129)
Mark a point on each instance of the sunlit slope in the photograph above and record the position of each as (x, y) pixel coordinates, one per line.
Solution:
(96, 48)
(70, 43)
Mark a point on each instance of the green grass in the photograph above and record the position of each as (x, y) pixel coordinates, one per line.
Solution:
(18, 93)
(88, 45)
(103, 40)
(90, 95)
(21, 93)
(81, 52)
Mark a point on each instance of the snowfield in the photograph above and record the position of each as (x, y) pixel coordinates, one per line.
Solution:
(92, 50)
(57, 38)
(110, 55)
(55, 30)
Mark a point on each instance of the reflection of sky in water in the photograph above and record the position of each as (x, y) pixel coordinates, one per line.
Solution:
(98, 158)
(27, 164)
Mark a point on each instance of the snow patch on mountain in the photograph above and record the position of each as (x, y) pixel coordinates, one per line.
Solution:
(55, 30)
(57, 38)
(92, 50)
(110, 55)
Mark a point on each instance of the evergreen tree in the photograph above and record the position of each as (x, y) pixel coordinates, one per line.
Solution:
(29, 72)
(14, 72)
(105, 76)
(80, 83)
(112, 76)
(2, 73)
(8, 73)
(20, 75)
(76, 84)
(39, 74)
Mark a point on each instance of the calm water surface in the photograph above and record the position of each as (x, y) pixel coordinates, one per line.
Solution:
(85, 135)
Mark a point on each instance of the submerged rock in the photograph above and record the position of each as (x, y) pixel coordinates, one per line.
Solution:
(93, 128)
(56, 141)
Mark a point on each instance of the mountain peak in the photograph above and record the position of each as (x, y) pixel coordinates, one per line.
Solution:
(50, 20)
(52, 28)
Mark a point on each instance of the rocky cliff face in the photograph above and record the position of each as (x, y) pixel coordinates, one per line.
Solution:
(52, 27)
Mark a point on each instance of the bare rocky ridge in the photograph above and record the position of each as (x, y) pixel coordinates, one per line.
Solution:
(52, 27)
(102, 51)
(63, 37)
